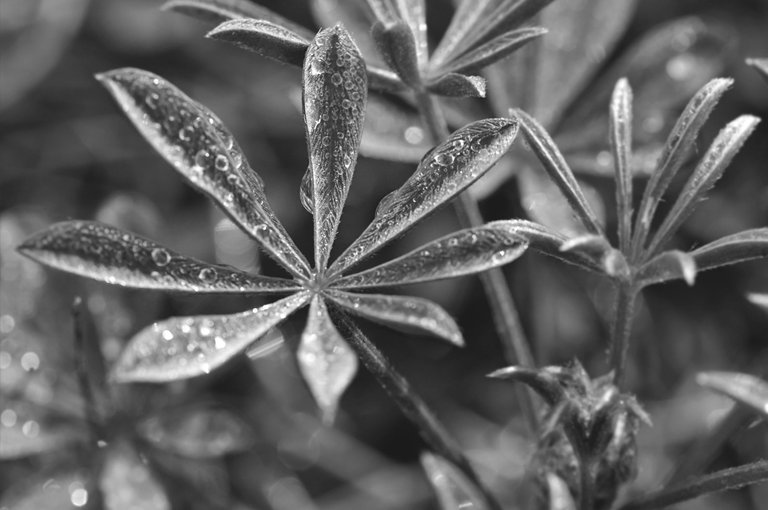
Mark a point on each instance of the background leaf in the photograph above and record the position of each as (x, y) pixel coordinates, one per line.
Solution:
(743, 388)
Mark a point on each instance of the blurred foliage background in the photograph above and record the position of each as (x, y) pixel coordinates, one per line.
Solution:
(67, 152)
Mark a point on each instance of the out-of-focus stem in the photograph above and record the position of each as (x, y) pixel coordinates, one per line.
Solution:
(622, 327)
(409, 402)
(505, 315)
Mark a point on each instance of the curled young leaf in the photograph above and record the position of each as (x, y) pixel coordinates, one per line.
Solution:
(678, 147)
(457, 85)
(335, 91)
(126, 481)
(395, 43)
(744, 388)
(192, 139)
(197, 431)
(327, 363)
(401, 311)
(668, 265)
(454, 491)
(443, 173)
(544, 381)
(118, 257)
(621, 146)
(554, 164)
(183, 347)
(464, 252)
(711, 167)
(263, 38)
(224, 10)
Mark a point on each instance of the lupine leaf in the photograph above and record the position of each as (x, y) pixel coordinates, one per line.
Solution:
(118, 257)
(198, 145)
(413, 12)
(679, 145)
(554, 163)
(411, 312)
(264, 38)
(744, 388)
(392, 132)
(65, 491)
(224, 10)
(621, 145)
(545, 241)
(464, 252)
(559, 495)
(127, 482)
(395, 43)
(458, 85)
(739, 247)
(327, 363)
(196, 430)
(335, 91)
(26, 432)
(454, 491)
(183, 347)
(467, 15)
(707, 172)
(761, 65)
(356, 17)
(724, 480)
(443, 173)
(665, 67)
(494, 50)
(668, 265)
(582, 33)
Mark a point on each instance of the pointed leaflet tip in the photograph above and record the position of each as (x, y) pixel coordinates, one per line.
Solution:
(263, 38)
(335, 91)
(458, 85)
(327, 363)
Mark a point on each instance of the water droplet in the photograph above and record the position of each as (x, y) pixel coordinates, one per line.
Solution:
(185, 133)
(414, 135)
(161, 257)
(152, 100)
(30, 428)
(201, 158)
(207, 275)
(347, 161)
(167, 335)
(680, 67)
(30, 361)
(336, 79)
(219, 343)
(444, 158)
(221, 163)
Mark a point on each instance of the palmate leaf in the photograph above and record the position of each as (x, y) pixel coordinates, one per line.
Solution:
(264, 38)
(335, 92)
(464, 252)
(183, 347)
(454, 491)
(401, 311)
(201, 149)
(118, 257)
(327, 363)
(711, 167)
(224, 10)
(127, 482)
(197, 431)
(443, 173)
(557, 168)
(678, 148)
(744, 388)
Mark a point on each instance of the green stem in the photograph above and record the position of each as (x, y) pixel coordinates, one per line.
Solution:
(622, 326)
(505, 315)
(727, 479)
(586, 485)
(409, 402)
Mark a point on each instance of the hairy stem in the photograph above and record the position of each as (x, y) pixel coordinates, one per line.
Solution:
(505, 315)
(727, 479)
(411, 405)
(622, 327)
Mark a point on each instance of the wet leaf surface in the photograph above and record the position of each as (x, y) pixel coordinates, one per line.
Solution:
(263, 38)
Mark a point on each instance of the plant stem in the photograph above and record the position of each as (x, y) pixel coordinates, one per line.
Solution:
(505, 315)
(586, 485)
(622, 326)
(411, 405)
(727, 479)
(83, 337)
